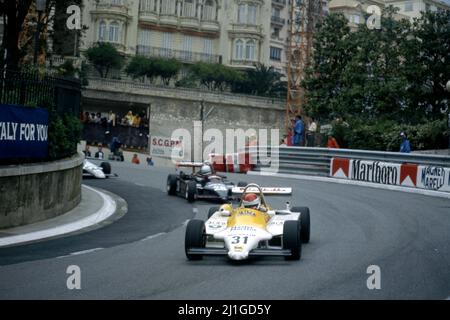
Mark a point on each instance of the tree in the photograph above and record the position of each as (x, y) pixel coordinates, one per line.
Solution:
(104, 56)
(215, 76)
(139, 67)
(332, 53)
(262, 81)
(166, 68)
(14, 13)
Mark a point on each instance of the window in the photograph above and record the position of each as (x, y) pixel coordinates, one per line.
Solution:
(276, 12)
(250, 50)
(148, 5)
(208, 46)
(409, 6)
(167, 40)
(114, 32)
(144, 38)
(116, 2)
(187, 48)
(189, 8)
(354, 18)
(209, 11)
(168, 7)
(102, 31)
(239, 55)
(242, 13)
(251, 14)
(275, 54)
(276, 33)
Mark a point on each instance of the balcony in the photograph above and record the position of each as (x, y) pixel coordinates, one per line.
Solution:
(278, 21)
(247, 28)
(168, 19)
(189, 22)
(184, 56)
(243, 63)
(148, 16)
(210, 26)
(280, 3)
(106, 8)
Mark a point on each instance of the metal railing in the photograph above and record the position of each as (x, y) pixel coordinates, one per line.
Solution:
(278, 20)
(281, 2)
(316, 161)
(36, 90)
(185, 56)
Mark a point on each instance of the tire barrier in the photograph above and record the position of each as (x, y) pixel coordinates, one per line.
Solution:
(411, 175)
(231, 162)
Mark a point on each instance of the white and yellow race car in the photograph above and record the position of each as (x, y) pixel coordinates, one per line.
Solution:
(251, 229)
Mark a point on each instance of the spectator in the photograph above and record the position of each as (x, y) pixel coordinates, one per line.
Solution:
(311, 136)
(135, 159)
(150, 161)
(332, 143)
(129, 118)
(299, 132)
(87, 152)
(92, 117)
(289, 138)
(136, 121)
(283, 142)
(405, 146)
(99, 154)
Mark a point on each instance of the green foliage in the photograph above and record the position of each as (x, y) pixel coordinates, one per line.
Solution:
(67, 69)
(215, 76)
(384, 135)
(104, 56)
(166, 69)
(63, 135)
(385, 81)
(261, 81)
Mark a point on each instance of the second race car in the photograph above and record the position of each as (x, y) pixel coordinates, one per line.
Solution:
(202, 183)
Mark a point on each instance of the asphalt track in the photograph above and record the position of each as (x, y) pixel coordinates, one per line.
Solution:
(141, 256)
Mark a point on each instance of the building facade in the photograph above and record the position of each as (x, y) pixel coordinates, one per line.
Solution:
(413, 8)
(232, 32)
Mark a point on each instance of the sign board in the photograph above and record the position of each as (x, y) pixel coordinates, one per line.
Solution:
(166, 147)
(23, 132)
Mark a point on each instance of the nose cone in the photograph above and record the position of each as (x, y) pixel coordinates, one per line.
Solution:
(237, 255)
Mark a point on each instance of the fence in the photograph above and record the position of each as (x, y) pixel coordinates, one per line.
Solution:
(316, 161)
(36, 90)
(130, 137)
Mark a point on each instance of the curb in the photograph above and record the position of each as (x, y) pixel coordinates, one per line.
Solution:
(431, 193)
(113, 208)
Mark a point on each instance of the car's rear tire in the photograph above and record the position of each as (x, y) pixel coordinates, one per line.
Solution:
(191, 191)
(212, 210)
(242, 184)
(194, 238)
(106, 166)
(305, 223)
(291, 239)
(172, 184)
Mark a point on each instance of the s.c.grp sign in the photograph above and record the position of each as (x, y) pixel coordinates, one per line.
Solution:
(23, 132)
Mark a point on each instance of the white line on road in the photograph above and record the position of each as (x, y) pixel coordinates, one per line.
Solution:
(153, 236)
(80, 252)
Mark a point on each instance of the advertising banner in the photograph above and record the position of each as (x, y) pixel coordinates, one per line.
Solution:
(163, 147)
(23, 132)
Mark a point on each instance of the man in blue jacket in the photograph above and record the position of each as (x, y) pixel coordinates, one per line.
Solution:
(405, 147)
(299, 132)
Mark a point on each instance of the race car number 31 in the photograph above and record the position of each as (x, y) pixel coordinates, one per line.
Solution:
(228, 310)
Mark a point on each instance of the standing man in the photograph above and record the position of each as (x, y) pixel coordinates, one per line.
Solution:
(99, 154)
(312, 129)
(299, 132)
(405, 147)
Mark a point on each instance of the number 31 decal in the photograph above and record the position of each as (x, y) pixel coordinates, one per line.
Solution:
(237, 239)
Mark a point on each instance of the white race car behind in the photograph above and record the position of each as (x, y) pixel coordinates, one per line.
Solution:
(92, 170)
(240, 232)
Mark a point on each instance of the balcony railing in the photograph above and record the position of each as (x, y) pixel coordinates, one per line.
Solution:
(278, 20)
(184, 56)
(280, 2)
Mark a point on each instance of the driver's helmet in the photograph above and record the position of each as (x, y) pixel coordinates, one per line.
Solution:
(205, 170)
(251, 200)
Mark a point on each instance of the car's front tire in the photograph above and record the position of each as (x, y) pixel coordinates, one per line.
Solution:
(292, 240)
(305, 223)
(191, 191)
(106, 166)
(194, 238)
(172, 184)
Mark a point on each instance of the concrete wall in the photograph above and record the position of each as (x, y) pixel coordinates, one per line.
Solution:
(172, 108)
(35, 192)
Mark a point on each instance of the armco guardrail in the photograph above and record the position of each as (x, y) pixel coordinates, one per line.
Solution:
(316, 161)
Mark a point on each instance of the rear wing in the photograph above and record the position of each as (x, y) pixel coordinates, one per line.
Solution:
(189, 164)
(264, 190)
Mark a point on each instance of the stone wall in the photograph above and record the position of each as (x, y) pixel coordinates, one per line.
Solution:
(39, 191)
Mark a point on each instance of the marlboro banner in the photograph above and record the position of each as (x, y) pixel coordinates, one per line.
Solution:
(406, 174)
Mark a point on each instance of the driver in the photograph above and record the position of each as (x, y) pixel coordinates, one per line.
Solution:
(204, 173)
(251, 201)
